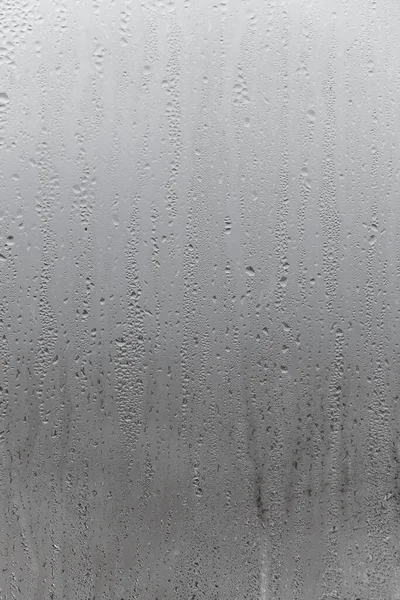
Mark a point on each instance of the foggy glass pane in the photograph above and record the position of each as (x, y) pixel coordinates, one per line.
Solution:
(199, 315)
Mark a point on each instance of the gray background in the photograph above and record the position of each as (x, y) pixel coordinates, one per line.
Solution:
(199, 316)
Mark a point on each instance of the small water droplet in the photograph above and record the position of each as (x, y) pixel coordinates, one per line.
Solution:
(250, 271)
(228, 225)
(4, 100)
(311, 114)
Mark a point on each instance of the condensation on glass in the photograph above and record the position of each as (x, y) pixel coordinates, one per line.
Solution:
(199, 315)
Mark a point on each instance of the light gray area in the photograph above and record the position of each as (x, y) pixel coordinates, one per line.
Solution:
(200, 300)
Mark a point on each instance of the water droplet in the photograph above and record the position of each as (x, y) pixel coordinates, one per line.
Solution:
(228, 225)
(283, 282)
(4, 100)
(250, 271)
(311, 114)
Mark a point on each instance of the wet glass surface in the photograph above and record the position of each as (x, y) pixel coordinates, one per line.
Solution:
(199, 315)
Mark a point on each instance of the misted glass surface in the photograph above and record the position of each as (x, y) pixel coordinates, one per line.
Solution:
(199, 316)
